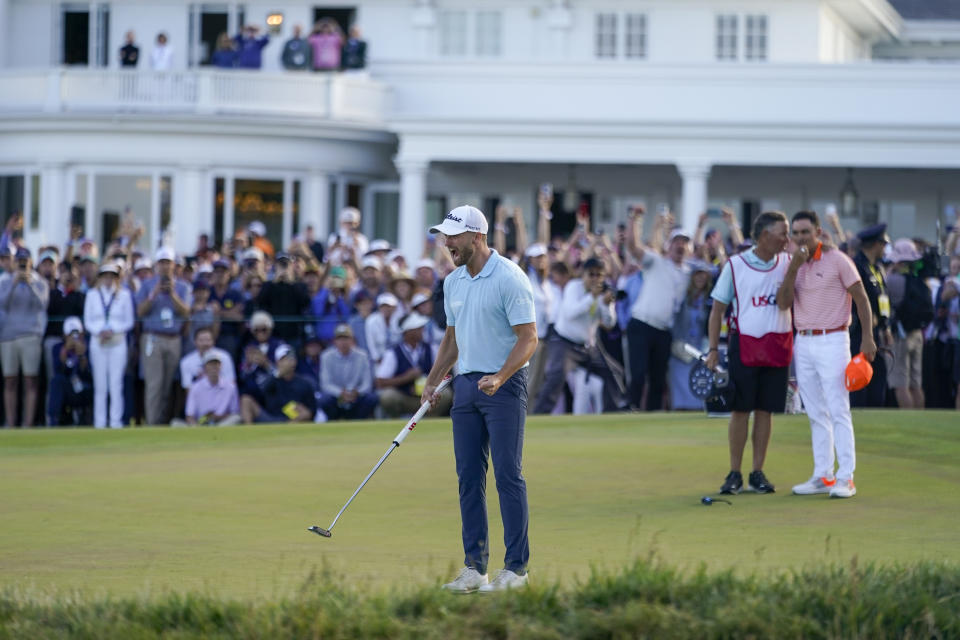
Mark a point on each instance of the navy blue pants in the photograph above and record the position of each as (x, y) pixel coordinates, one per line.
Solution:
(483, 424)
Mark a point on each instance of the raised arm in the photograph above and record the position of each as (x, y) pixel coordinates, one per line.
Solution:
(521, 230)
(500, 230)
(635, 233)
(544, 217)
(736, 235)
(786, 291)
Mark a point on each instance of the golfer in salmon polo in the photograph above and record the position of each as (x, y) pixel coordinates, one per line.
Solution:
(820, 283)
(491, 335)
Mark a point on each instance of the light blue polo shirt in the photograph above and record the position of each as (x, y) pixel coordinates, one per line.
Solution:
(484, 309)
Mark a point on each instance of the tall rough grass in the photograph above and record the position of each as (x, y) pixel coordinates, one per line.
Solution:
(644, 600)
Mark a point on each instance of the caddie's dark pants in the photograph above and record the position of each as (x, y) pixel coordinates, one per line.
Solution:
(483, 424)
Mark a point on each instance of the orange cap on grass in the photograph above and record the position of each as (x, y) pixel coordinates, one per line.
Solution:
(859, 373)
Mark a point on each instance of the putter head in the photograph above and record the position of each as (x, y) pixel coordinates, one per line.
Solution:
(320, 531)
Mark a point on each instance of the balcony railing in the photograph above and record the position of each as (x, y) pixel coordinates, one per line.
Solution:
(346, 97)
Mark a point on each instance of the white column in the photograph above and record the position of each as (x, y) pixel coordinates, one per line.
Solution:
(560, 22)
(424, 25)
(315, 207)
(694, 176)
(413, 204)
(54, 225)
(4, 33)
(186, 219)
(287, 229)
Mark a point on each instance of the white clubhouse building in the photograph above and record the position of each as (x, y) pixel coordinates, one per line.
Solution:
(752, 104)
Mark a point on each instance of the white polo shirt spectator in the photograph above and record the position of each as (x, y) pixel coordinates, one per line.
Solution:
(381, 326)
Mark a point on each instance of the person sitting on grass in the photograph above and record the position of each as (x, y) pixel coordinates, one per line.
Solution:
(288, 397)
(212, 399)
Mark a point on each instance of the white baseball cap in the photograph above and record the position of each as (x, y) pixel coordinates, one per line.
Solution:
(418, 299)
(387, 299)
(283, 351)
(72, 324)
(257, 228)
(414, 321)
(142, 263)
(461, 220)
(536, 250)
(212, 355)
(165, 253)
(350, 214)
(371, 262)
(426, 263)
(378, 245)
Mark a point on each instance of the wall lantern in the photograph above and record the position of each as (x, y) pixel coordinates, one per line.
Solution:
(274, 22)
(849, 198)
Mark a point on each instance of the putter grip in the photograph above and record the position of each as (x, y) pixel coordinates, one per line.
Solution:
(407, 428)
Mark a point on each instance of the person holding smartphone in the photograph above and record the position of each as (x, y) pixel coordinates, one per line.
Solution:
(24, 295)
(164, 307)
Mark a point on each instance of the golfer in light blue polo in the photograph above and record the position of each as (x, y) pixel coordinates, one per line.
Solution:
(491, 335)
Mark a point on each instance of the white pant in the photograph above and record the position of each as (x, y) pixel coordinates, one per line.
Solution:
(587, 391)
(108, 363)
(821, 362)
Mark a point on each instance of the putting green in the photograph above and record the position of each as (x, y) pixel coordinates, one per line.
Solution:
(225, 511)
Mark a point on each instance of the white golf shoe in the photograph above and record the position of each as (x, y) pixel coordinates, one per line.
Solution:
(468, 581)
(815, 485)
(504, 580)
(843, 489)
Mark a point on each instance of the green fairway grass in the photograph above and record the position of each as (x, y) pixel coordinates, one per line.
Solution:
(225, 511)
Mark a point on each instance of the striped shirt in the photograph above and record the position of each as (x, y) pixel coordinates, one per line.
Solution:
(821, 299)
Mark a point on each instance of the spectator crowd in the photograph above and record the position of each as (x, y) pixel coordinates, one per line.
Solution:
(325, 48)
(348, 328)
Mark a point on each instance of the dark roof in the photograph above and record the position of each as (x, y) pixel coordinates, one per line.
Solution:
(928, 9)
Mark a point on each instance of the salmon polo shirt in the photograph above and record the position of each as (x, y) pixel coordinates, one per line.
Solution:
(821, 299)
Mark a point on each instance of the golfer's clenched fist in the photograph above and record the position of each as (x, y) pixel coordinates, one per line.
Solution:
(489, 384)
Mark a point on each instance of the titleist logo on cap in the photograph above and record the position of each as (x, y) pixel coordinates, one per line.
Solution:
(450, 216)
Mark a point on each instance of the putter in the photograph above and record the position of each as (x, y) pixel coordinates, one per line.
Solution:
(326, 533)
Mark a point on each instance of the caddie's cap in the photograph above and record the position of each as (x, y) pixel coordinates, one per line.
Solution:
(858, 374)
(874, 233)
(460, 220)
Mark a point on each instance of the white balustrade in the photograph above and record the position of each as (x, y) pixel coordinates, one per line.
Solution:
(358, 98)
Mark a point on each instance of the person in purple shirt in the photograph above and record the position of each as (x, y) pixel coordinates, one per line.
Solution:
(212, 401)
(249, 47)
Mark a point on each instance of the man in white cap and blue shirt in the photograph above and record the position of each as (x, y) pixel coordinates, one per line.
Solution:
(491, 334)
